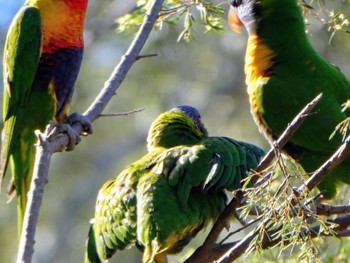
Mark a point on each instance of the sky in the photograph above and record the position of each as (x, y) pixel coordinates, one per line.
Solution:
(9, 8)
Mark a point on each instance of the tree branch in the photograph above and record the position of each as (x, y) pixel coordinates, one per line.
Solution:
(204, 253)
(343, 151)
(341, 222)
(284, 138)
(325, 209)
(341, 230)
(240, 247)
(41, 166)
(126, 113)
(48, 144)
(328, 166)
(201, 254)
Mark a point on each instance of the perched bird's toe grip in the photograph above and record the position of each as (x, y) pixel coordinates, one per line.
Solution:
(83, 120)
(74, 137)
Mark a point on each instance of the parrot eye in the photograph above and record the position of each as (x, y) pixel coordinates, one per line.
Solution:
(235, 3)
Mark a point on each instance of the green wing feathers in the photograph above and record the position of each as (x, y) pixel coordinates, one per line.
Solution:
(164, 199)
(174, 204)
(91, 255)
(21, 59)
(284, 73)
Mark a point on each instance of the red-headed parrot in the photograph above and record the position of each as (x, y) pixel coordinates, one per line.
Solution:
(42, 57)
(160, 202)
(284, 73)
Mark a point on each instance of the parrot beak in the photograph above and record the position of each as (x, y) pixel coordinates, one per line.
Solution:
(234, 22)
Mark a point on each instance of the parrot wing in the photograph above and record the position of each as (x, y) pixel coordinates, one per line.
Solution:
(21, 59)
(114, 224)
(215, 164)
(185, 191)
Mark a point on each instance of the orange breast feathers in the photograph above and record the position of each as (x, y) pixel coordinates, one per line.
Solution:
(258, 60)
(62, 24)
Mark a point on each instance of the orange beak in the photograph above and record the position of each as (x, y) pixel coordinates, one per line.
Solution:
(234, 22)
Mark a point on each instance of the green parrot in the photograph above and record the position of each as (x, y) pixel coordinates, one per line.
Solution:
(42, 57)
(284, 73)
(160, 202)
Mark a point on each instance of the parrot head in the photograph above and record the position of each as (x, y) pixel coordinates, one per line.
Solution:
(179, 126)
(242, 13)
(255, 14)
(193, 114)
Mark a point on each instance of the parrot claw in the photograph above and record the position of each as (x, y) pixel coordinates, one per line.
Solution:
(74, 137)
(83, 120)
(66, 127)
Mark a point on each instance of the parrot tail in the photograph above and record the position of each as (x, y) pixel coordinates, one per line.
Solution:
(22, 168)
(91, 255)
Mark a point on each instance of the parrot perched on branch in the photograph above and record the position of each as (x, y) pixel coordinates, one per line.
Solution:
(160, 202)
(42, 57)
(284, 73)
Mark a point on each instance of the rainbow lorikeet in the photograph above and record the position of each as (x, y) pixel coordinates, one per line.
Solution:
(42, 57)
(284, 73)
(161, 201)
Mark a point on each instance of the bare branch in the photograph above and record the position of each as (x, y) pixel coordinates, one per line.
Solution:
(201, 254)
(325, 209)
(318, 176)
(240, 229)
(328, 166)
(126, 62)
(41, 170)
(126, 113)
(243, 244)
(286, 135)
(341, 224)
(146, 56)
(46, 147)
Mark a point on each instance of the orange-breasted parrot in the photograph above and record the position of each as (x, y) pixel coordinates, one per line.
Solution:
(42, 57)
(160, 202)
(284, 73)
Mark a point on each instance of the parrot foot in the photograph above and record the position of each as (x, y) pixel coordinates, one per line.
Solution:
(80, 118)
(74, 137)
(66, 127)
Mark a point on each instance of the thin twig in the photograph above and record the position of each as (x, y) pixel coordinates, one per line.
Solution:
(126, 113)
(327, 167)
(46, 147)
(220, 223)
(201, 253)
(325, 209)
(286, 135)
(241, 246)
(317, 177)
(340, 229)
(146, 56)
(240, 229)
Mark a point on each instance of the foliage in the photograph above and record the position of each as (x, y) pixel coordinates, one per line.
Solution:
(285, 218)
(335, 21)
(344, 126)
(63, 227)
(211, 16)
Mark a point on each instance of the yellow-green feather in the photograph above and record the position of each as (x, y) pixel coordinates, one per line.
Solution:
(162, 201)
(283, 73)
(21, 58)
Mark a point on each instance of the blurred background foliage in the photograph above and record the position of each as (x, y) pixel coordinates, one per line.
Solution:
(207, 74)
